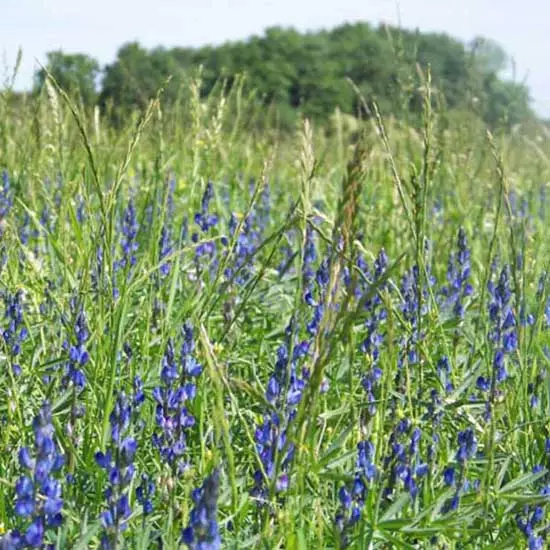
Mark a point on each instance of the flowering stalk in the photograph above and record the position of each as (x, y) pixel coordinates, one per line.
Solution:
(202, 532)
(118, 462)
(38, 491)
(352, 496)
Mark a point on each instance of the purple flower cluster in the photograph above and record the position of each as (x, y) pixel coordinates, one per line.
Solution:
(283, 393)
(78, 354)
(458, 286)
(205, 250)
(403, 463)
(38, 491)
(15, 331)
(352, 497)
(203, 533)
(177, 388)
(372, 342)
(467, 449)
(527, 523)
(503, 330)
(118, 463)
(6, 199)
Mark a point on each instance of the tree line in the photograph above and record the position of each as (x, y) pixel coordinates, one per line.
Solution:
(309, 73)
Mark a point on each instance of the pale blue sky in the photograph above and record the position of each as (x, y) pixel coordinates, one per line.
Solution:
(99, 27)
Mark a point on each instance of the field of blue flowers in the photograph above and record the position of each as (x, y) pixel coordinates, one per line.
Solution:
(213, 336)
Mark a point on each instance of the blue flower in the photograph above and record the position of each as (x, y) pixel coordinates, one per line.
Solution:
(467, 449)
(118, 463)
(309, 257)
(144, 494)
(365, 456)
(38, 492)
(172, 417)
(527, 522)
(458, 277)
(449, 476)
(165, 249)
(467, 445)
(15, 331)
(352, 497)
(503, 333)
(202, 532)
(128, 241)
(6, 198)
(206, 249)
(283, 393)
(78, 354)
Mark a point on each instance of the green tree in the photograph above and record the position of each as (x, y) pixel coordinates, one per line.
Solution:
(136, 75)
(307, 73)
(489, 55)
(76, 73)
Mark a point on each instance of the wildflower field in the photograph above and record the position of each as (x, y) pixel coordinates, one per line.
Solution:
(217, 336)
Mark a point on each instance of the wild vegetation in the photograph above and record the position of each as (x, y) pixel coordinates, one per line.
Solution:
(305, 74)
(218, 335)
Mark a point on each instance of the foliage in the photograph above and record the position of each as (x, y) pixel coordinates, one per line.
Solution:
(77, 74)
(218, 336)
(307, 73)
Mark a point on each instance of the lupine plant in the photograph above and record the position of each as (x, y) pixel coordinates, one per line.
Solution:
(214, 334)
(38, 491)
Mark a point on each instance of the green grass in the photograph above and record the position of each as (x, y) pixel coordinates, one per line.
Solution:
(402, 189)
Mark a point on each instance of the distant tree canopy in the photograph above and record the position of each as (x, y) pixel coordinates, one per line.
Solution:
(77, 74)
(309, 72)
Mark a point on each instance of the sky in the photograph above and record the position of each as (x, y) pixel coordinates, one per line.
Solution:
(100, 27)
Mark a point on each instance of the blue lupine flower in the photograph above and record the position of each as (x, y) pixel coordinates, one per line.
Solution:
(365, 456)
(371, 345)
(321, 279)
(6, 199)
(144, 494)
(409, 307)
(449, 476)
(172, 417)
(78, 353)
(352, 497)
(467, 445)
(165, 249)
(128, 240)
(527, 523)
(246, 243)
(204, 219)
(202, 532)
(458, 277)
(38, 492)
(81, 210)
(138, 396)
(206, 249)
(444, 372)
(467, 449)
(283, 393)
(97, 272)
(403, 462)
(309, 257)
(15, 331)
(535, 542)
(118, 462)
(503, 333)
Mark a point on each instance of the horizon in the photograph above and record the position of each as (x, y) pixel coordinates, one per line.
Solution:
(60, 25)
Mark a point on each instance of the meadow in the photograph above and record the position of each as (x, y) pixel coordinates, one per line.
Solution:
(215, 335)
